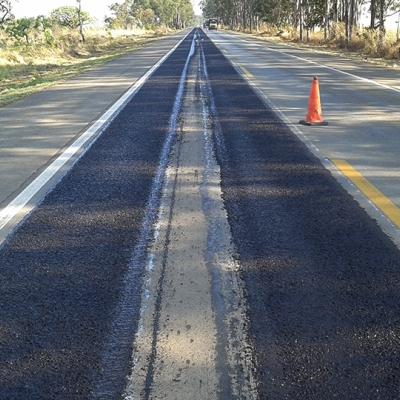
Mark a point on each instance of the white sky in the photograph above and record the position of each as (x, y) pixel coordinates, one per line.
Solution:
(96, 8)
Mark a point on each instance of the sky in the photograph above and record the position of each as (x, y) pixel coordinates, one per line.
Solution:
(96, 8)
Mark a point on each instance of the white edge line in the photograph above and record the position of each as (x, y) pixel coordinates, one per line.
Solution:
(322, 66)
(385, 223)
(273, 107)
(19, 202)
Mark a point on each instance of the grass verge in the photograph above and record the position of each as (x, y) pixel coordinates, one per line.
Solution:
(25, 71)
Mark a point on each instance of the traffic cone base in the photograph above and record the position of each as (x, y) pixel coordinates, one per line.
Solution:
(314, 113)
(304, 122)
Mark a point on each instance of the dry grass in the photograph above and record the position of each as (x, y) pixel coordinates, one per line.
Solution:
(25, 70)
(364, 43)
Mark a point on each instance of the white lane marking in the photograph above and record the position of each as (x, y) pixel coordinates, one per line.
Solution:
(19, 202)
(324, 66)
(386, 225)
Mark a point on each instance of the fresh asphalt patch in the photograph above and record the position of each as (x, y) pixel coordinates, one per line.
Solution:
(62, 272)
(322, 280)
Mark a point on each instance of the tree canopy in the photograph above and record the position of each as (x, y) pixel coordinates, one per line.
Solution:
(69, 16)
(141, 13)
(303, 14)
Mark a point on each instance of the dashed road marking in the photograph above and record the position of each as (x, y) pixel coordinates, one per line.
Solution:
(246, 72)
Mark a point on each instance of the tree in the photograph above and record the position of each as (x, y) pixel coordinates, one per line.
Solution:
(70, 17)
(302, 14)
(24, 28)
(131, 13)
(80, 19)
(5, 10)
(123, 17)
(276, 12)
(145, 17)
(21, 28)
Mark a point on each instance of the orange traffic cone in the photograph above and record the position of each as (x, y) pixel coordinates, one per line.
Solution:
(314, 114)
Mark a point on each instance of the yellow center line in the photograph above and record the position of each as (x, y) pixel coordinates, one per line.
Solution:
(373, 194)
(247, 73)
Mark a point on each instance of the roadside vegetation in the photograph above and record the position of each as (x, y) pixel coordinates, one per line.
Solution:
(356, 27)
(364, 45)
(36, 53)
(25, 70)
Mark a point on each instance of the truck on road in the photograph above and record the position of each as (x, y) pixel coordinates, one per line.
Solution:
(213, 23)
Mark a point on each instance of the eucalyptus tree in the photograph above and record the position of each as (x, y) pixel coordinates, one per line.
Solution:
(305, 15)
(276, 12)
(227, 11)
(123, 17)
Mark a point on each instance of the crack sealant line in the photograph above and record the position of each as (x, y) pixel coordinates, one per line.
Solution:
(231, 309)
(164, 174)
(20, 201)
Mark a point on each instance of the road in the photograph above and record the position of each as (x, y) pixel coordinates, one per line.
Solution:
(200, 247)
(38, 130)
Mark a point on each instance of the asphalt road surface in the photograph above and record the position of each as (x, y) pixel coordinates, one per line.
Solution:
(359, 101)
(53, 127)
(315, 279)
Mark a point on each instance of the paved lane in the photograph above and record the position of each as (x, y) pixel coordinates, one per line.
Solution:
(322, 279)
(36, 130)
(359, 100)
(192, 337)
(78, 260)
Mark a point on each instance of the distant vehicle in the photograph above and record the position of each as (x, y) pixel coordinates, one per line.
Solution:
(213, 23)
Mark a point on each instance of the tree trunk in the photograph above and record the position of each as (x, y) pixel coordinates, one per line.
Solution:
(382, 30)
(326, 27)
(80, 20)
(352, 18)
(308, 24)
(335, 17)
(373, 14)
(346, 19)
(301, 20)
